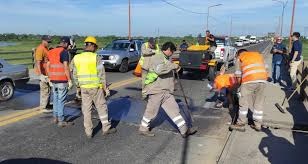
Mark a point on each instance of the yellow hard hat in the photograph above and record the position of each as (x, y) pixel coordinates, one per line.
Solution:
(90, 39)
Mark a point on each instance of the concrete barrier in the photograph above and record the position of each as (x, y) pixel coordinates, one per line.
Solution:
(301, 75)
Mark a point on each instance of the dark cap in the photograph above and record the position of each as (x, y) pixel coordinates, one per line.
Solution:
(152, 41)
(65, 39)
(208, 31)
(46, 38)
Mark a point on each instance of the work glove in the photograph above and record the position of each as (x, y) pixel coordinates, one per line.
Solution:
(107, 92)
(43, 78)
(70, 84)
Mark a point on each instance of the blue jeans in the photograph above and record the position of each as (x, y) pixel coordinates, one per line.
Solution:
(60, 91)
(276, 75)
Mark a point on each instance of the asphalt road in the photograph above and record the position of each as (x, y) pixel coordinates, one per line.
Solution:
(35, 139)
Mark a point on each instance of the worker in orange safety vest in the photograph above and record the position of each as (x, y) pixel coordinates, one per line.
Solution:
(252, 72)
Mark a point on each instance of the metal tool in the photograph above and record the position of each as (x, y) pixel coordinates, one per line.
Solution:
(280, 107)
(186, 102)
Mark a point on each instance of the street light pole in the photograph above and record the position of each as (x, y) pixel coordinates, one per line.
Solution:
(230, 28)
(208, 14)
(284, 4)
(129, 21)
(292, 22)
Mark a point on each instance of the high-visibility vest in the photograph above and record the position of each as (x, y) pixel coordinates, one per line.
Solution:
(252, 67)
(225, 81)
(151, 75)
(138, 69)
(87, 73)
(56, 68)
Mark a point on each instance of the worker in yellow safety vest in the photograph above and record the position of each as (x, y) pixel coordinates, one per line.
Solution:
(251, 69)
(89, 75)
(158, 88)
(147, 49)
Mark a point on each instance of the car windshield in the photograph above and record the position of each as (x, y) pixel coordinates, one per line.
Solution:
(117, 46)
(220, 41)
(239, 41)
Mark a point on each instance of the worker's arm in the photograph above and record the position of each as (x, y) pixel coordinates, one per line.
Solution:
(147, 51)
(210, 39)
(296, 48)
(47, 67)
(162, 67)
(39, 57)
(101, 72)
(67, 70)
(64, 58)
(294, 56)
(74, 70)
(238, 72)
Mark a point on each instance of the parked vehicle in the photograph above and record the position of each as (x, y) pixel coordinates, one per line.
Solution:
(225, 51)
(121, 54)
(198, 59)
(239, 43)
(246, 42)
(10, 76)
(242, 37)
(253, 40)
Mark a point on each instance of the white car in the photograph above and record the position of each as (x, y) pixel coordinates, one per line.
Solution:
(239, 43)
(253, 40)
(225, 52)
(246, 42)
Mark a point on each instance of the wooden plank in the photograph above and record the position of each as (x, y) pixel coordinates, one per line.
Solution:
(15, 52)
(24, 58)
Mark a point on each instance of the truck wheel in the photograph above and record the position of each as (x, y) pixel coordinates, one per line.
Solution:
(6, 90)
(124, 66)
(212, 73)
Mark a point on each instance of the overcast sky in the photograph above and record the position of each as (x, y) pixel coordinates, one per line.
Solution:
(110, 17)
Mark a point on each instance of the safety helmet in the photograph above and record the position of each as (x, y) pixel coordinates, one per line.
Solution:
(90, 39)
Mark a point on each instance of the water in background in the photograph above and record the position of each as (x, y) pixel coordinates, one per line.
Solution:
(4, 44)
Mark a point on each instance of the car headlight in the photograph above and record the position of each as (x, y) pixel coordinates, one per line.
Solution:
(112, 57)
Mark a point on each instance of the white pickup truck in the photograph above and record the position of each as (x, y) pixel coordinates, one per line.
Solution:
(225, 52)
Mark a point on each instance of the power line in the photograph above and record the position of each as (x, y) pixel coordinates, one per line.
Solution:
(183, 9)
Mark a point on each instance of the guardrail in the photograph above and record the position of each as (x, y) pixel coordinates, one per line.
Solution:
(302, 73)
(17, 57)
(20, 57)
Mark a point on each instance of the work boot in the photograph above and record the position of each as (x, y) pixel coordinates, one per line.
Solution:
(146, 133)
(256, 127)
(110, 131)
(64, 124)
(238, 126)
(190, 131)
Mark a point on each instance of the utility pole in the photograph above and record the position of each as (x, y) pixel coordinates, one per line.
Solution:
(284, 4)
(129, 21)
(292, 23)
(230, 28)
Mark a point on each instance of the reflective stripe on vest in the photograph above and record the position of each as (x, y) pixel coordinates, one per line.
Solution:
(252, 67)
(86, 66)
(56, 68)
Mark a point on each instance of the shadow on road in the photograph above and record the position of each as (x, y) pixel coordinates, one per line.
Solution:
(33, 161)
